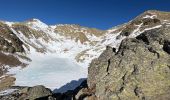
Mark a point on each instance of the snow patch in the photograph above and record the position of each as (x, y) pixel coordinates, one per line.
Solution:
(150, 16)
(6, 92)
(9, 23)
(37, 24)
(137, 31)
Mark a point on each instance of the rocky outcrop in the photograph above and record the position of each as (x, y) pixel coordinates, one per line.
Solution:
(148, 19)
(38, 92)
(9, 42)
(139, 70)
(77, 32)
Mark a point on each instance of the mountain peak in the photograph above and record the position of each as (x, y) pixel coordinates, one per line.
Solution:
(33, 20)
(36, 23)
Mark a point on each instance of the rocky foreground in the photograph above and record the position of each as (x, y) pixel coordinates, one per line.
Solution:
(138, 70)
(41, 93)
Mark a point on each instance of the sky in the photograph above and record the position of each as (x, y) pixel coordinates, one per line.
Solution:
(101, 14)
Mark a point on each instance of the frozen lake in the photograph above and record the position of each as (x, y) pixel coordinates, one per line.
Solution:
(50, 71)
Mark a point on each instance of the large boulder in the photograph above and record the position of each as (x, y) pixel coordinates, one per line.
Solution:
(38, 91)
(139, 70)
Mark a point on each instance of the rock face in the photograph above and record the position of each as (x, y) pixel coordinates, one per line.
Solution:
(139, 70)
(9, 42)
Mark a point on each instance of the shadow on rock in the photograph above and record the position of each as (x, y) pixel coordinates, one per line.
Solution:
(70, 86)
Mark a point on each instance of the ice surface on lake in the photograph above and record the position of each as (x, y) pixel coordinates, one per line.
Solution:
(50, 71)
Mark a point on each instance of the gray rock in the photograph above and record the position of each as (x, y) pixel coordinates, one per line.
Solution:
(138, 71)
(38, 92)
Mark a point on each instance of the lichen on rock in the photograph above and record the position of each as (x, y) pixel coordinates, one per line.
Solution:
(139, 70)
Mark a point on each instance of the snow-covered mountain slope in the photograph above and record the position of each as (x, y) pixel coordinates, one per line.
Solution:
(24, 41)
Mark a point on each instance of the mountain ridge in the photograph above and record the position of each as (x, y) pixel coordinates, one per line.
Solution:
(26, 40)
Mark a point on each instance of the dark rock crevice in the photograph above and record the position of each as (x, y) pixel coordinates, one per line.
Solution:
(166, 47)
(135, 70)
(108, 66)
(138, 92)
(143, 38)
(154, 51)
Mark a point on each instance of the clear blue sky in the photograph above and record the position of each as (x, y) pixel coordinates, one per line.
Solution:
(102, 14)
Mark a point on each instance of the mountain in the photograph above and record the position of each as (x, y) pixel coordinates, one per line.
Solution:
(21, 43)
